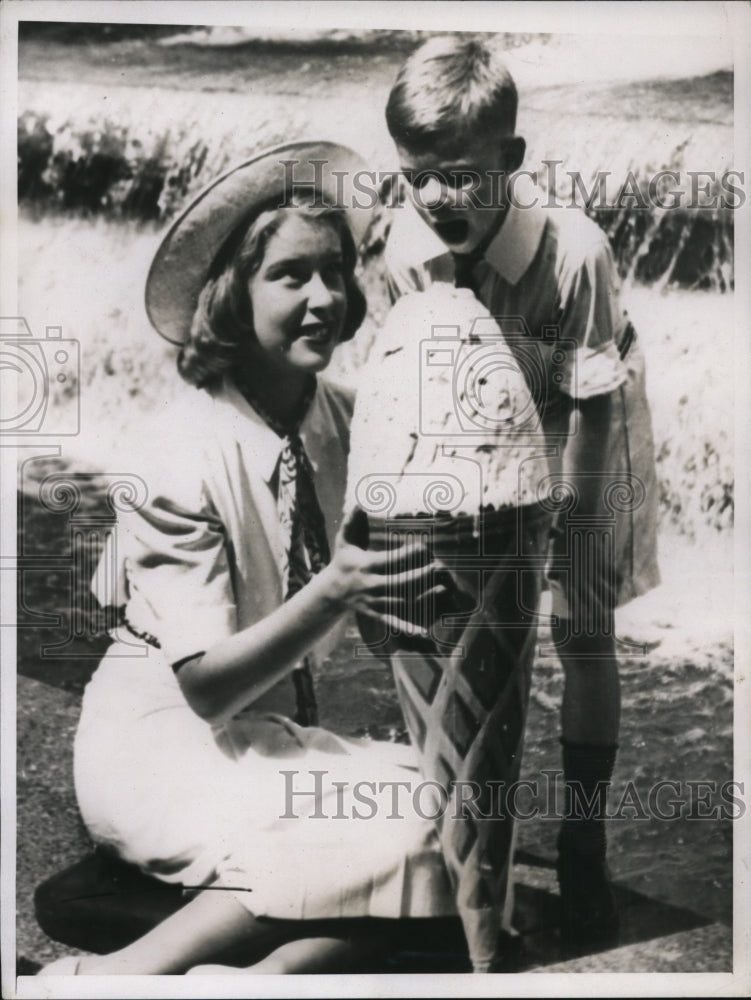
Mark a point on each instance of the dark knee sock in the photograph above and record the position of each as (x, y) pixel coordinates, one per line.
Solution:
(587, 771)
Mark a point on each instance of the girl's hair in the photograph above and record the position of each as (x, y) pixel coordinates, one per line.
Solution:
(223, 320)
(451, 89)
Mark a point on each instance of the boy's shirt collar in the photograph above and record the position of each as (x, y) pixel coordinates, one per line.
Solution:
(512, 249)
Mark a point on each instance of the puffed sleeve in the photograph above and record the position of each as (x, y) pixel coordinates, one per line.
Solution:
(176, 561)
(590, 317)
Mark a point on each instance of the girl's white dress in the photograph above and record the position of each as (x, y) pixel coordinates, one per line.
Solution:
(298, 822)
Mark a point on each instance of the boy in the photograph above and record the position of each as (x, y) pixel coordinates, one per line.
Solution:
(472, 220)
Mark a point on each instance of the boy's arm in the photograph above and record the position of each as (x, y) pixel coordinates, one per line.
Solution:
(592, 318)
(586, 452)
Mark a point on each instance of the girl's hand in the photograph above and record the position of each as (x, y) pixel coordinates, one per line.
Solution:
(375, 583)
(235, 672)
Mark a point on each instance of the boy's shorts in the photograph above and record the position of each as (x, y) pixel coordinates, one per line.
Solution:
(595, 568)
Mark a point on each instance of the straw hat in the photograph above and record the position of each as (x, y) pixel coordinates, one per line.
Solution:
(185, 256)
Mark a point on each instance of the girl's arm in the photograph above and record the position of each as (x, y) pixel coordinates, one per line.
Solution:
(238, 670)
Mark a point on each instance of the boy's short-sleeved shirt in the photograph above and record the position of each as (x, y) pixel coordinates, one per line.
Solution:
(550, 267)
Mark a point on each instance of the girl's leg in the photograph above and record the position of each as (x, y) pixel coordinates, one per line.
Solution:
(209, 927)
(309, 955)
(312, 955)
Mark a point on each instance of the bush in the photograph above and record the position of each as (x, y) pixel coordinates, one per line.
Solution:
(126, 169)
(101, 168)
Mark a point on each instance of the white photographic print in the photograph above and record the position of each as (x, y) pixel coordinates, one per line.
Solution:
(373, 404)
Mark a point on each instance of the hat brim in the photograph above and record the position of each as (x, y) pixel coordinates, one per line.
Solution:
(185, 256)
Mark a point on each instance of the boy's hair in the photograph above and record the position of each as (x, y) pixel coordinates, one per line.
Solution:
(452, 88)
(223, 320)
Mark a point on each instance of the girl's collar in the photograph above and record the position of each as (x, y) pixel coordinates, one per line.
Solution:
(283, 429)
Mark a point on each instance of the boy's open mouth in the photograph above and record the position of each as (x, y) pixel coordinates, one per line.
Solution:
(452, 230)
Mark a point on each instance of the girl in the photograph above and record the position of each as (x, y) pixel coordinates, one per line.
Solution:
(188, 762)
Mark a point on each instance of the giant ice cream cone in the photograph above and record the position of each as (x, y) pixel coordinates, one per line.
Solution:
(447, 444)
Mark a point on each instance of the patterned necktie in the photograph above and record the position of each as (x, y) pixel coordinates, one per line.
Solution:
(304, 540)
